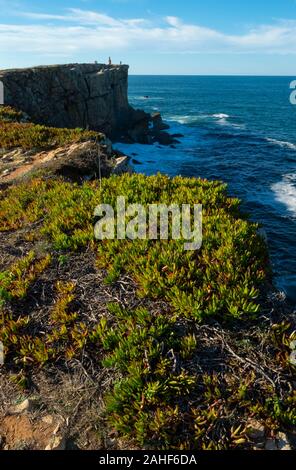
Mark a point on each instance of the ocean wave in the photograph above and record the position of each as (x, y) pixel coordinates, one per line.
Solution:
(191, 119)
(146, 98)
(186, 119)
(222, 120)
(282, 143)
(220, 116)
(285, 192)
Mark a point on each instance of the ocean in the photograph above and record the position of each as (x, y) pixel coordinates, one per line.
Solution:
(241, 130)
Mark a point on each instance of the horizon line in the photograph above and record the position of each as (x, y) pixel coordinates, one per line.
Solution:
(206, 75)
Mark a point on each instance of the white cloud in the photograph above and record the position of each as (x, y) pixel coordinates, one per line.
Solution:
(92, 18)
(84, 31)
(85, 17)
(173, 21)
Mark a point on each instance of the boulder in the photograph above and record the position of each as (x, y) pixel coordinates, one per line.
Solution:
(23, 407)
(121, 165)
(56, 443)
(164, 138)
(139, 127)
(177, 136)
(157, 122)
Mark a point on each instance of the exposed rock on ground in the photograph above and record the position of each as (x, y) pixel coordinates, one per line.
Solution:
(75, 161)
(28, 431)
(22, 407)
(121, 165)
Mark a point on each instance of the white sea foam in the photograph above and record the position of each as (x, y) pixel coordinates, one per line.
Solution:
(222, 120)
(190, 119)
(282, 143)
(152, 156)
(186, 119)
(285, 192)
(220, 116)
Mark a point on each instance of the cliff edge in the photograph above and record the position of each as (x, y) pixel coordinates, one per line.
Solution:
(90, 96)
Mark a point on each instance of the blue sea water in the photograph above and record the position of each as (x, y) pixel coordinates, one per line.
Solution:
(241, 130)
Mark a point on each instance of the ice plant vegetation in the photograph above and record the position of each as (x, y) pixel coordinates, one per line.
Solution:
(16, 132)
(170, 352)
(135, 223)
(179, 346)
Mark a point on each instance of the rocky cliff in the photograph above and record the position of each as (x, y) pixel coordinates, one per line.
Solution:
(90, 96)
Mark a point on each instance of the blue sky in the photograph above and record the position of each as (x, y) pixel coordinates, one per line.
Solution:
(254, 37)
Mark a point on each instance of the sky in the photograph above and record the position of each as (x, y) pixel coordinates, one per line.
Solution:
(194, 37)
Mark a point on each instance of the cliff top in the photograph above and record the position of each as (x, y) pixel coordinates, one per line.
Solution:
(92, 96)
(93, 67)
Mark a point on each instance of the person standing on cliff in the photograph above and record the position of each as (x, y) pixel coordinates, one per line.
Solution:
(110, 61)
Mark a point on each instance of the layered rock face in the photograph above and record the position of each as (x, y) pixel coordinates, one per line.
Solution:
(90, 96)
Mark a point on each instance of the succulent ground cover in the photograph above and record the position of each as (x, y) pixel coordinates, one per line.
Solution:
(141, 343)
(17, 132)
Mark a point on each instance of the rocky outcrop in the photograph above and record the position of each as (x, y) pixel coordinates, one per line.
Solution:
(121, 165)
(148, 129)
(157, 122)
(75, 162)
(89, 96)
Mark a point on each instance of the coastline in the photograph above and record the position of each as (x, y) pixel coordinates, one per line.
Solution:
(153, 346)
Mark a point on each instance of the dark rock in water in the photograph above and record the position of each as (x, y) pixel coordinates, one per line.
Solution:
(177, 136)
(158, 124)
(141, 132)
(139, 128)
(173, 146)
(164, 138)
(134, 154)
(136, 162)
